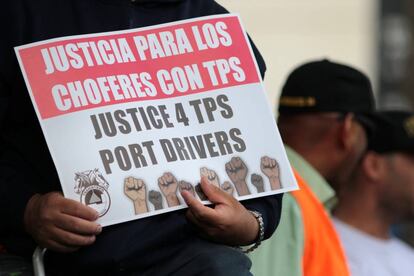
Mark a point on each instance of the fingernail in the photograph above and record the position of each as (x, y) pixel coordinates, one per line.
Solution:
(99, 229)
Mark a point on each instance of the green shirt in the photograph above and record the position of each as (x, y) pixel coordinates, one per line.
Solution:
(282, 253)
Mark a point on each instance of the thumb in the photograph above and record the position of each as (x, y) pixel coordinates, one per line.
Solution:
(213, 193)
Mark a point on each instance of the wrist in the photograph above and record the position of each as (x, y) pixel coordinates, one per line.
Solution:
(259, 236)
(275, 182)
(140, 207)
(260, 189)
(241, 187)
(240, 182)
(158, 206)
(172, 200)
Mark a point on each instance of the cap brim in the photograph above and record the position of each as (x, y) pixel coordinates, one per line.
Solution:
(370, 121)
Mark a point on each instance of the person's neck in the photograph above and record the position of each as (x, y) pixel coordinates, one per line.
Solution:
(325, 166)
(361, 211)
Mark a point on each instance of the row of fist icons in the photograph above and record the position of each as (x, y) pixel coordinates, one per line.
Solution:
(136, 189)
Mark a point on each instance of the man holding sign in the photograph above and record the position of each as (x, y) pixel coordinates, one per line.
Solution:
(33, 210)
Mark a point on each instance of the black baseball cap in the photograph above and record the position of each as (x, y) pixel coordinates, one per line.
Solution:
(394, 133)
(325, 86)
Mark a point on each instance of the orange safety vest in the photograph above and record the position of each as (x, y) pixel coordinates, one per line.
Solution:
(323, 253)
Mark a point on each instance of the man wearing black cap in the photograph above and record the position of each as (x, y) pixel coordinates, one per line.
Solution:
(324, 114)
(32, 208)
(380, 194)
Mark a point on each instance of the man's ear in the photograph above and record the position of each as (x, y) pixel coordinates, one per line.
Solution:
(347, 135)
(374, 166)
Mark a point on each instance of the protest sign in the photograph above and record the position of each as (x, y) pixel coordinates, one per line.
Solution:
(133, 117)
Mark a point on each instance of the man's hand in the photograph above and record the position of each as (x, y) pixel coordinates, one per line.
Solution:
(168, 185)
(200, 192)
(228, 222)
(60, 224)
(136, 190)
(237, 171)
(270, 168)
(186, 186)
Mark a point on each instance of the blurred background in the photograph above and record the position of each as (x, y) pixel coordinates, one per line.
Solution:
(374, 36)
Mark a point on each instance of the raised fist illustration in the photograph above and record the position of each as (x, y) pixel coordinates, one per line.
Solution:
(186, 186)
(270, 168)
(257, 181)
(211, 176)
(136, 190)
(237, 171)
(227, 187)
(155, 198)
(200, 192)
(169, 185)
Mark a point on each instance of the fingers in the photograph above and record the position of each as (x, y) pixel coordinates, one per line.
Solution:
(263, 161)
(171, 177)
(267, 162)
(237, 162)
(273, 163)
(77, 209)
(154, 195)
(55, 201)
(200, 192)
(186, 186)
(131, 184)
(77, 225)
(60, 224)
(198, 211)
(162, 181)
(167, 178)
(141, 185)
(55, 246)
(69, 239)
(214, 193)
(257, 179)
(230, 168)
(203, 171)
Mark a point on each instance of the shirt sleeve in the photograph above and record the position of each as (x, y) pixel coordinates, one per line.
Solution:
(18, 180)
(282, 253)
(270, 208)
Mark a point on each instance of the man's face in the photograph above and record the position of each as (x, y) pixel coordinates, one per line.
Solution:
(398, 192)
(354, 153)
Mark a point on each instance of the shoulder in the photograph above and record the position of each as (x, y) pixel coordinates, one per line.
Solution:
(290, 207)
(402, 247)
(206, 7)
